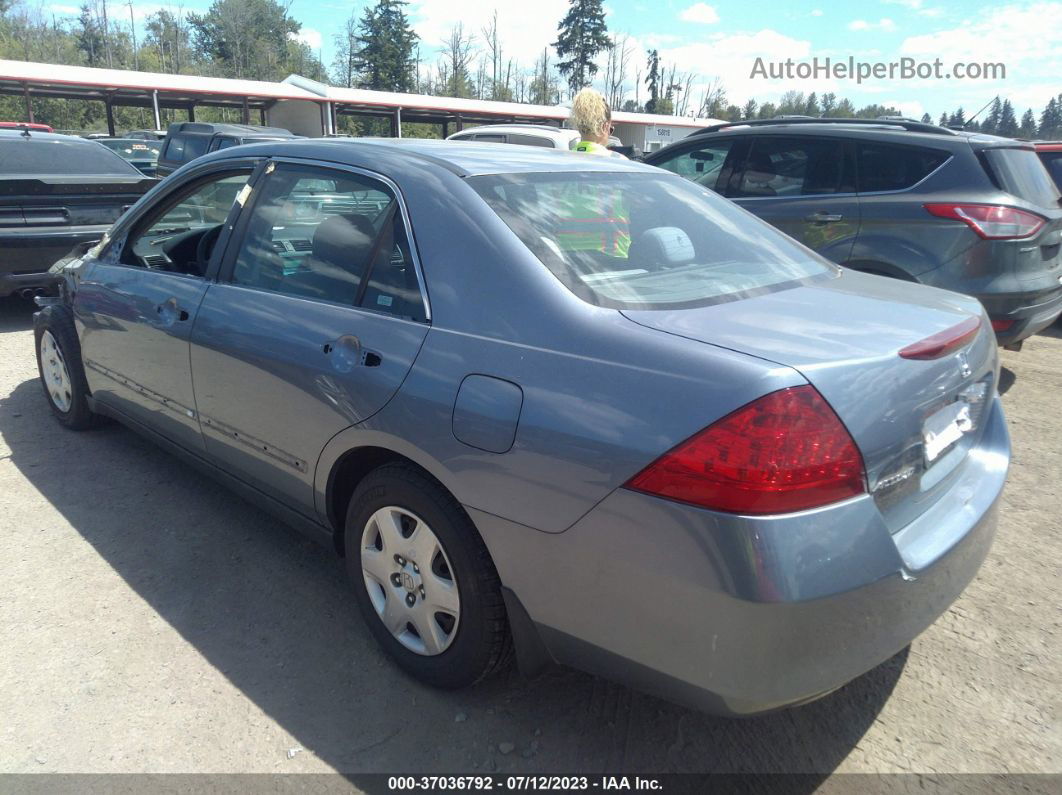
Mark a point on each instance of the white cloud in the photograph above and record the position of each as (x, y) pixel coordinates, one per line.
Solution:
(886, 25)
(1015, 36)
(308, 36)
(701, 13)
(918, 6)
(72, 11)
(524, 28)
(816, 12)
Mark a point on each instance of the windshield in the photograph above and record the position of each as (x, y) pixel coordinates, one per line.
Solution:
(645, 241)
(133, 149)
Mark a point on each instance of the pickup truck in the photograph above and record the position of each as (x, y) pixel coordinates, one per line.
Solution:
(56, 192)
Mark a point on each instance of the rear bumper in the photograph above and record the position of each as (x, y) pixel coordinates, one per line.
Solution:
(743, 615)
(1028, 313)
(27, 254)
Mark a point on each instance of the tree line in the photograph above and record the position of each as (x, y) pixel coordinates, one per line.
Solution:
(377, 48)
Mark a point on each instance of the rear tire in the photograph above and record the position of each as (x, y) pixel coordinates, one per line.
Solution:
(423, 579)
(60, 369)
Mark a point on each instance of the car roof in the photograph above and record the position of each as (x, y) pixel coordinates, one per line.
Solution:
(38, 135)
(519, 128)
(878, 129)
(467, 158)
(225, 128)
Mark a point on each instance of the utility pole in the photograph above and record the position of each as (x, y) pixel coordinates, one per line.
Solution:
(106, 36)
(132, 28)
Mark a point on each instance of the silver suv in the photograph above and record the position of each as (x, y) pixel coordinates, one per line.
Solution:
(963, 211)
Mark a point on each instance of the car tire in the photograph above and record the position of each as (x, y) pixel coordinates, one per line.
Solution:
(60, 369)
(431, 599)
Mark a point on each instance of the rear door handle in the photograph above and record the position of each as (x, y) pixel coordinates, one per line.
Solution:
(823, 218)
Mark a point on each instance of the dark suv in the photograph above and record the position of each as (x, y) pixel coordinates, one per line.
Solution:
(188, 140)
(963, 211)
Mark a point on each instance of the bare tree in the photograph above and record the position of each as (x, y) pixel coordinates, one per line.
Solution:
(494, 51)
(619, 56)
(713, 100)
(457, 51)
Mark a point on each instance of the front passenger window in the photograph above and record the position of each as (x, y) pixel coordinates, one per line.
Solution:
(181, 238)
(330, 236)
(702, 165)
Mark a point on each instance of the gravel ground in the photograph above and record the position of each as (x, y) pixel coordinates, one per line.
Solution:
(150, 621)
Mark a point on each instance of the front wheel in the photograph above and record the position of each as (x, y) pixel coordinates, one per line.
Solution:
(423, 579)
(59, 366)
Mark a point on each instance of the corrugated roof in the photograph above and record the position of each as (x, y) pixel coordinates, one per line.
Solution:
(42, 76)
(90, 77)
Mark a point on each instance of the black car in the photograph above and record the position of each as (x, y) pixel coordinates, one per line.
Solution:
(185, 141)
(968, 212)
(56, 191)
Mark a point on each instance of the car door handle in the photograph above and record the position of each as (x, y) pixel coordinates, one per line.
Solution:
(169, 312)
(823, 218)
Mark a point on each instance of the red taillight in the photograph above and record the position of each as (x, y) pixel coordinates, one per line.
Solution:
(785, 452)
(992, 222)
(1002, 323)
(943, 342)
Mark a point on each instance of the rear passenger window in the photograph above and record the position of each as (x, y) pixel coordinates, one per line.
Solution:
(531, 140)
(702, 165)
(780, 166)
(492, 138)
(883, 167)
(329, 236)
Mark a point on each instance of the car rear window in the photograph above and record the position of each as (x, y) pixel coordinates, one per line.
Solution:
(1053, 163)
(57, 157)
(645, 241)
(1020, 172)
(182, 148)
(883, 167)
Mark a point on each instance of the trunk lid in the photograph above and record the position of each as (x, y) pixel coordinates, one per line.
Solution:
(68, 201)
(844, 335)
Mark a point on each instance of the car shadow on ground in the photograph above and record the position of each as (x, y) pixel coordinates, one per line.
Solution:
(271, 611)
(16, 314)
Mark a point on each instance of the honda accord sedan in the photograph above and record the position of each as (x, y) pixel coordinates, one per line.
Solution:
(562, 408)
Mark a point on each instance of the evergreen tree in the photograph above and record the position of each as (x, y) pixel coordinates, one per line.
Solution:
(829, 104)
(927, 119)
(581, 35)
(652, 81)
(811, 107)
(767, 111)
(1008, 123)
(1051, 120)
(749, 111)
(89, 37)
(383, 57)
(1028, 125)
(943, 120)
(957, 119)
(246, 38)
(845, 109)
(995, 113)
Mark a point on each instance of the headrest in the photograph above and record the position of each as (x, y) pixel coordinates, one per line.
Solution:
(344, 241)
(664, 245)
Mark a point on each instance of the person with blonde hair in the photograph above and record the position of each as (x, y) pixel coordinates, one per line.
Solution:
(592, 117)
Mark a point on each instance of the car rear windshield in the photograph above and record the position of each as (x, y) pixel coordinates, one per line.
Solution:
(56, 157)
(1053, 163)
(645, 241)
(1020, 172)
(133, 148)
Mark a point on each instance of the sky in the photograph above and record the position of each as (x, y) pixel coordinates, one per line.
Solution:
(721, 40)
